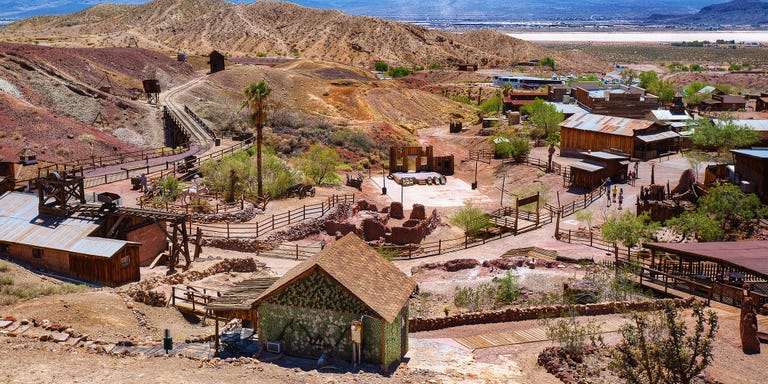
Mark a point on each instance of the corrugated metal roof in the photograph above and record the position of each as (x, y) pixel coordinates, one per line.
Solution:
(589, 167)
(568, 109)
(21, 224)
(606, 124)
(659, 136)
(750, 255)
(666, 115)
(605, 155)
(758, 153)
(707, 89)
(755, 125)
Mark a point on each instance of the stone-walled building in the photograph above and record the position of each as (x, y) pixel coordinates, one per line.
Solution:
(309, 310)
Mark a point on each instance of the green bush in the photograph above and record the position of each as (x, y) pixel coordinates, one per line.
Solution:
(398, 72)
(434, 66)
(471, 219)
(6, 280)
(381, 66)
(4, 267)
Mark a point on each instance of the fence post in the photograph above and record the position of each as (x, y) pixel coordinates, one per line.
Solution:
(173, 295)
(466, 241)
(439, 246)
(289, 217)
(304, 212)
(590, 237)
(227, 230)
(257, 229)
(273, 221)
(297, 251)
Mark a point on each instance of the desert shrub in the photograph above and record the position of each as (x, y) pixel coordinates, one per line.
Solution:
(199, 205)
(170, 188)
(419, 306)
(387, 253)
(659, 348)
(572, 334)
(471, 219)
(492, 295)
(493, 105)
(734, 67)
(381, 66)
(508, 289)
(434, 66)
(354, 140)
(6, 280)
(4, 267)
(63, 151)
(398, 72)
(17, 136)
(87, 138)
(319, 164)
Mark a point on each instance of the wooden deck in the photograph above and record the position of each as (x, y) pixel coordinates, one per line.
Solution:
(522, 336)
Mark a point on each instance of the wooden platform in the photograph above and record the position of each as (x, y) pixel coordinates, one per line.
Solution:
(522, 336)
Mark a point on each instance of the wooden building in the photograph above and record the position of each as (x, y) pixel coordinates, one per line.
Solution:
(759, 126)
(514, 99)
(751, 166)
(64, 245)
(216, 60)
(724, 103)
(616, 100)
(418, 159)
(309, 310)
(467, 67)
(761, 102)
(641, 139)
(724, 266)
(596, 167)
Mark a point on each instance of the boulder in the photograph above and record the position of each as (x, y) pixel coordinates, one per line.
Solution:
(418, 212)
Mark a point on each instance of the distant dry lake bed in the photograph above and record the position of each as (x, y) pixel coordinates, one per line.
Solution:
(643, 37)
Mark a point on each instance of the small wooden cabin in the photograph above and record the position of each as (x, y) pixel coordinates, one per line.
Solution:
(752, 167)
(216, 60)
(418, 159)
(597, 166)
(64, 245)
(642, 139)
(310, 309)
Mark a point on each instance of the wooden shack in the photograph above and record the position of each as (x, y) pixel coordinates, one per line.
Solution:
(64, 245)
(310, 309)
(216, 60)
(616, 100)
(597, 166)
(751, 166)
(724, 103)
(514, 99)
(467, 67)
(418, 159)
(641, 139)
(761, 102)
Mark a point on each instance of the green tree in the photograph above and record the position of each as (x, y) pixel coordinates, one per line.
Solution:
(585, 215)
(547, 62)
(648, 78)
(381, 66)
(698, 224)
(471, 219)
(320, 163)
(731, 207)
(493, 105)
(628, 228)
(398, 72)
(544, 118)
(660, 349)
(723, 135)
(696, 158)
(628, 76)
(256, 101)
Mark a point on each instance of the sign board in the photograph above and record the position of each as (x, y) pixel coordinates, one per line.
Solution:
(528, 200)
(356, 332)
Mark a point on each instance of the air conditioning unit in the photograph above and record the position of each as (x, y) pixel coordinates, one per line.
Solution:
(274, 346)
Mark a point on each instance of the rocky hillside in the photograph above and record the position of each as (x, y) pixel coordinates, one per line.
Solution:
(52, 96)
(281, 28)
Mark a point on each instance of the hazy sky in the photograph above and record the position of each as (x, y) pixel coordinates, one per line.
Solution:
(509, 10)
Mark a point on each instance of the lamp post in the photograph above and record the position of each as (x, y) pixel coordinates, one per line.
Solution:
(383, 181)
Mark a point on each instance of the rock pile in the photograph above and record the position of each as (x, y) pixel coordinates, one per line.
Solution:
(240, 216)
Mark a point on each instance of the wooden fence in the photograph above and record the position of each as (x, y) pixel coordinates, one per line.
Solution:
(578, 204)
(95, 162)
(192, 298)
(273, 222)
(289, 250)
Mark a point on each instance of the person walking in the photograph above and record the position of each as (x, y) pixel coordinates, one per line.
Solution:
(621, 196)
(608, 195)
(614, 192)
(637, 165)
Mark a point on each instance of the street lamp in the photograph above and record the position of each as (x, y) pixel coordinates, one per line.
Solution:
(383, 181)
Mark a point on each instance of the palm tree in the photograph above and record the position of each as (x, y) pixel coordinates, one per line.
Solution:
(255, 99)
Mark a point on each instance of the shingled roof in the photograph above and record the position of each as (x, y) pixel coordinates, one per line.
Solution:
(360, 269)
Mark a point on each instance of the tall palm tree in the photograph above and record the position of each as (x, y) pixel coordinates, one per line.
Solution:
(256, 100)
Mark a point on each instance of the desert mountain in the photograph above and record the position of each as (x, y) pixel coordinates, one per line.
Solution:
(737, 12)
(281, 28)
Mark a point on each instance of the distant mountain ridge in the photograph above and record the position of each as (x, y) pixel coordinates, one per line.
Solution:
(281, 28)
(737, 12)
(435, 9)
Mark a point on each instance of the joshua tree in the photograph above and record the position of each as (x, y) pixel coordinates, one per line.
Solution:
(255, 99)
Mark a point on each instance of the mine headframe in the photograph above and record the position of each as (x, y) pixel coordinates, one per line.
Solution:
(61, 191)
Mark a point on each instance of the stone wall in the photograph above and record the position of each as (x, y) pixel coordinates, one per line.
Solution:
(533, 313)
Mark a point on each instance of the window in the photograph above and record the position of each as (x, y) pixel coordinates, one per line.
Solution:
(37, 253)
(125, 261)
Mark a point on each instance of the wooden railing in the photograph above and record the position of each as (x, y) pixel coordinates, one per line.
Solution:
(289, 250)
(192, 297)
(273, 222)
(666, 280)
(200, 122)
(95, 162)
(578, 204)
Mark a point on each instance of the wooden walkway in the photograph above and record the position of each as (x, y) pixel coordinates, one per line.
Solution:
(522, 336)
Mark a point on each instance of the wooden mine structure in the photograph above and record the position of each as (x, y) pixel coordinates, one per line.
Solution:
(418, 159)
(60, 191)
(152, 90)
